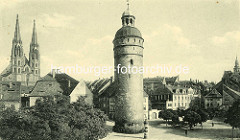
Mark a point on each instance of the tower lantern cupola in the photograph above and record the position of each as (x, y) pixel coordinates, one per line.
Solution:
(128, 19)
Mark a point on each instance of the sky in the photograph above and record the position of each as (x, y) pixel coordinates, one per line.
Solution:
(203, 35)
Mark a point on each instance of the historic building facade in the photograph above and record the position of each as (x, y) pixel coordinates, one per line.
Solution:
(22, 73)
(23, 70)
(225, 92)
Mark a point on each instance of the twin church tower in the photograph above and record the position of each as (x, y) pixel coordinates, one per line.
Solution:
(21, 69)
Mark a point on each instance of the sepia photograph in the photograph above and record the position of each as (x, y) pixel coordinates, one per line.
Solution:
(119, 69)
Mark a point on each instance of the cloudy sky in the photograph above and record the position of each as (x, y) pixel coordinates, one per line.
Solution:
(203, 35)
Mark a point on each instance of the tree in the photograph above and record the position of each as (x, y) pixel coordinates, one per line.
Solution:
(192, 118)
(166, 115)
(233, 115)
(196, 106)
(54, 118)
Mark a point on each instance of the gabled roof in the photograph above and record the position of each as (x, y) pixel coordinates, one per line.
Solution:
(109, 91)
(26, 89)
(97, 85)
(213, 94)
(7, 71)
(145, 94)
(162, 90)
(231, 92)
(60, 84)
(26, 60)
(81, 89)
(169, 80)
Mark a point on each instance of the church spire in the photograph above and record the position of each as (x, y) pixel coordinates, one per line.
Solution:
(17, 37)
(236, 67)
(34, 34)
(236, 62)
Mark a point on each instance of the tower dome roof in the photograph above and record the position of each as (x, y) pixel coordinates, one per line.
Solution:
(127, 13)
(128, 31)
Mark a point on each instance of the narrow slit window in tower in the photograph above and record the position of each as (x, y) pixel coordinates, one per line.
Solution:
(131, 61)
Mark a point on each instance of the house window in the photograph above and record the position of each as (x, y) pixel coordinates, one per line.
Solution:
(19, 70)
(27, 70)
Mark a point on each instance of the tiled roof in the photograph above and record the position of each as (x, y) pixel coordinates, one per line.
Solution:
(10, 91)
(161, 90)
(61, 84)
(213, 94)
(7, 71)
(169, 80)
(110, 91)
(26, 89)
(232, 92)
(98, 85)
(145, 94)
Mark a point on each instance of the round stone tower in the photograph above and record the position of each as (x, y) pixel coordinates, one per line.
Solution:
(128, 52)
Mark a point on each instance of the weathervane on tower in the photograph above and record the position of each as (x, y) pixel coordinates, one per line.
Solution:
(128, 4)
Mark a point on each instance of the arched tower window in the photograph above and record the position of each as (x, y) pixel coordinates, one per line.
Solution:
(19, 70)
(18, 63)
(127, 21)
(131, 21)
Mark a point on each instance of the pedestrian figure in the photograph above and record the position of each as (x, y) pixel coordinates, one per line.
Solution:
(212, 124)
(186, 132)
(145, 129)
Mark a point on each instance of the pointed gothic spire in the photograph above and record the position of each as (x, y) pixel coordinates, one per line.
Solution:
(17, 37)
(236, 62)
(34, 34)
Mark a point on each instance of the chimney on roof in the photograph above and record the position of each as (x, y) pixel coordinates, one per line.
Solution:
(111, 79)
(53, 73)
(69, 83)
(10, 84)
